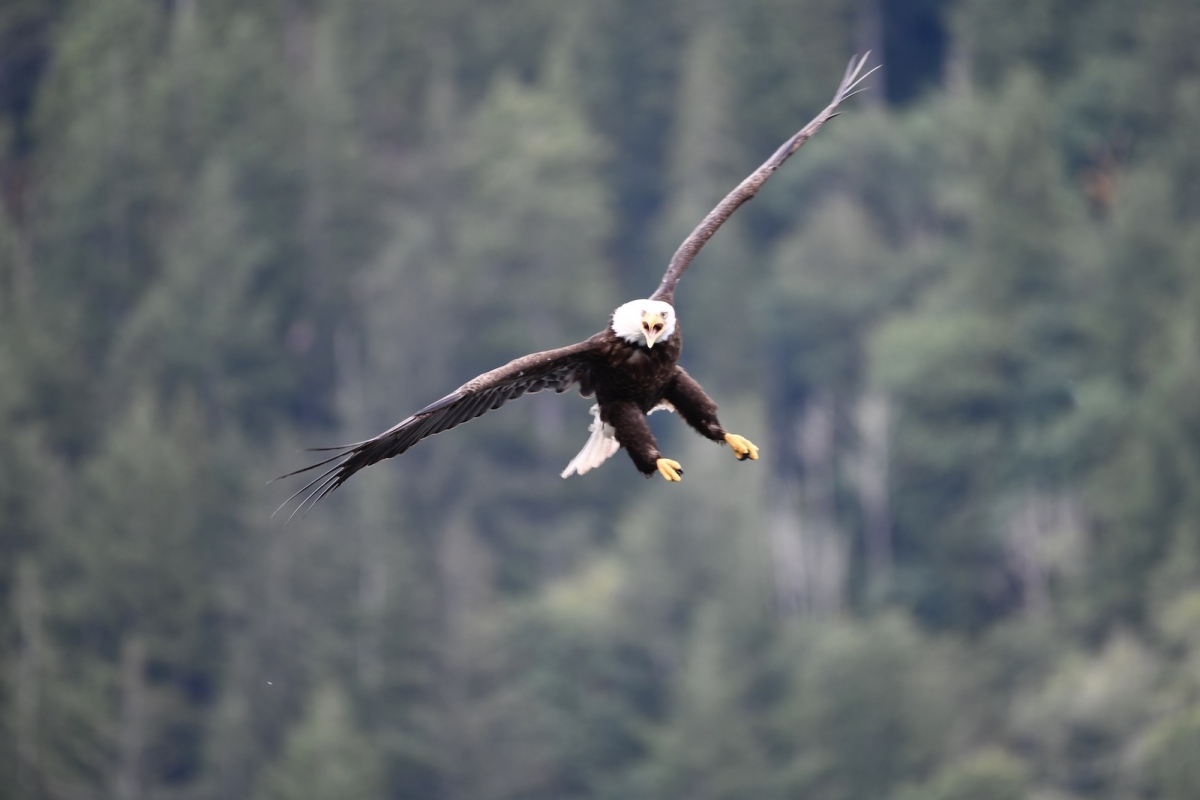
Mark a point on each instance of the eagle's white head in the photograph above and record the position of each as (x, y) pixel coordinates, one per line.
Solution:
(644, 322)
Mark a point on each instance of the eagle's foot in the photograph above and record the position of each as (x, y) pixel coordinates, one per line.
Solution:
(742, 447)
(670, 469)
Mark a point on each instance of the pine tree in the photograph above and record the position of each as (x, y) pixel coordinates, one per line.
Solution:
(324, 756)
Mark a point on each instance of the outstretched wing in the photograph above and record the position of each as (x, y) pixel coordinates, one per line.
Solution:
(750, 186)
(554, 369)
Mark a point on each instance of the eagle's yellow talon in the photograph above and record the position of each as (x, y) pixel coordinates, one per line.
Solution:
(742, 447)
(670, 469)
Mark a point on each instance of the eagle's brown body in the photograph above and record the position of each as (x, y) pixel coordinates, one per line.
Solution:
(622, 372)
(631, 367)
(631, 380)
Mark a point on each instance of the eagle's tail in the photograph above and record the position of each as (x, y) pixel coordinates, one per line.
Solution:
(599, 448)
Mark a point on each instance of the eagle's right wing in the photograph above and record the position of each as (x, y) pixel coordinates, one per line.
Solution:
(553, 369)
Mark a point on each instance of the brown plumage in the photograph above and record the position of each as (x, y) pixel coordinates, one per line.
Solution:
(631, 367)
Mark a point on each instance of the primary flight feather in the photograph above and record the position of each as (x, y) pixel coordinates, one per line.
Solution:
(631, 367)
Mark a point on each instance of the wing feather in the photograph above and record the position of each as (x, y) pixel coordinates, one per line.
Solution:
(558, 369)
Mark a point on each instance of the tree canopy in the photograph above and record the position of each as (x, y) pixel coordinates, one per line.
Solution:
(963, 325)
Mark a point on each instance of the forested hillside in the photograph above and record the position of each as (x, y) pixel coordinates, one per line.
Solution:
(963, 325)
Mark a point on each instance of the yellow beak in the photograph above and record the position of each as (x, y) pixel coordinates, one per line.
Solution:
(652, 327)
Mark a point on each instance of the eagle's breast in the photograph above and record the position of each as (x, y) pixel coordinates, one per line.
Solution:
(627, 372)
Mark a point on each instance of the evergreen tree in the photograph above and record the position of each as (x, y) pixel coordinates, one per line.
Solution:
(325, 755)
(231, 229)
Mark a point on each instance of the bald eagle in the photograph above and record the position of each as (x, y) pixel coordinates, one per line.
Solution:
(631, 367)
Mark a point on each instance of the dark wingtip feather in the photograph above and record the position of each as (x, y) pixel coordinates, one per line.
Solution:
(324, 476)
(306, 469)
(326, 486)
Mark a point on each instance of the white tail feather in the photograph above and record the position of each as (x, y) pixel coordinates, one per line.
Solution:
(601, 445)
(599, 448)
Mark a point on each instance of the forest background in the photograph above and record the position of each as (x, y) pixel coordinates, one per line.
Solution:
(963, 324)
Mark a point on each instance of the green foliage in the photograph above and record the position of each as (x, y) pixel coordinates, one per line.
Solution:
(1076, 722)
(233, 229)
(203, 330)
(709, 749)
(323, 756)
(1172, 769)
(872, 705)
(533, 202)
(990, 775)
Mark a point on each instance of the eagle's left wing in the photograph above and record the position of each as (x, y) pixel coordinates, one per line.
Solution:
(850, 85)
(553, 369)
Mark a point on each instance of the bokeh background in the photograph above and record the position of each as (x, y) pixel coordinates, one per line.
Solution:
(962, 323)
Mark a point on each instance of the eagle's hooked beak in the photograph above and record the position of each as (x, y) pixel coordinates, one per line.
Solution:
(652, 327)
